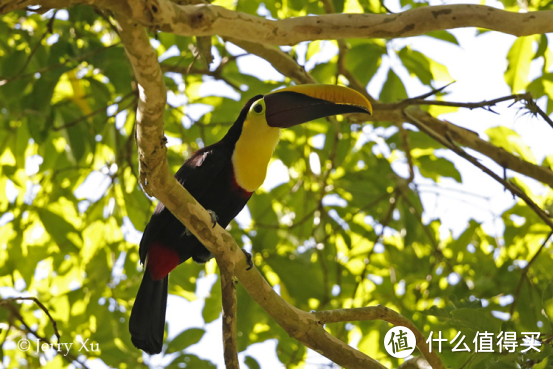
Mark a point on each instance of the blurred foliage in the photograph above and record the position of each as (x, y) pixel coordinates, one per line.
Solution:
(350, 234)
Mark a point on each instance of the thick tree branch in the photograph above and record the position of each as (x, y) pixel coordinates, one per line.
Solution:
(153, 167)
(208, 20)
(383, 313)
(279, 60)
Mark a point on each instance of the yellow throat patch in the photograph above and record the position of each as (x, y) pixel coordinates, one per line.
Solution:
(254, 148)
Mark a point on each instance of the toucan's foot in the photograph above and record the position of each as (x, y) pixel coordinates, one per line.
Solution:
(214, 217)
(187, 232)
(248, 259)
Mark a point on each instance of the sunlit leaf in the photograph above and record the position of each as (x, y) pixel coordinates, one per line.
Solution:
(519, 62)
(509, 140)
(185, 339)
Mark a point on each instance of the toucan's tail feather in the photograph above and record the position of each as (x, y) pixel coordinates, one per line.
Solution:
(147, 321)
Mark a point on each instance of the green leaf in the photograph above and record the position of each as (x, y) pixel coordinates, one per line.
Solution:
(519, 61)
(72, 254)
(423, 67)
(185, 339)
(59, 228)
(543, 46)
(191, 361)
(135, 203)
(324, 72)
(364, 59)
(547, 300)
(476, 320)
(313, 48)
(251, 363)
(443, 35)
(212, 305)
(510, 141)
(542, 86)
(393, 89)
(433, 167)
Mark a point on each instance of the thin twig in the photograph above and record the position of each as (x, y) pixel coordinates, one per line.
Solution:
(439, 256)
(97, 111)
(229, 319)
(13, 310)
(382, 2)
(458, 191)
(55, 66)
(406, 145)
(430, 93)
(384, 223)
(190, 69)
(467, 361)
(486, 104)
(41, 306)
(449, 143)
(534, 109)
(524, 274)
(34, 50)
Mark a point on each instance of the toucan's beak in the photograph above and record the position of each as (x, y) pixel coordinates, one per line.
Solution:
(299, 104)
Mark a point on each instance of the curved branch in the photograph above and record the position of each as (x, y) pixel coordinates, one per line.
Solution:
(24, 327)
(279, 60)
(41, 306)
(156, 178)
(206, 20)
(383, 313)
(150, 111)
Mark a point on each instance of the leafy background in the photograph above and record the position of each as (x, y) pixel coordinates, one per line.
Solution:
(347, 232)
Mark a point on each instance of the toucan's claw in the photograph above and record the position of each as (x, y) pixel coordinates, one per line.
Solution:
(248, 259)
(214, 217)
(187, 232)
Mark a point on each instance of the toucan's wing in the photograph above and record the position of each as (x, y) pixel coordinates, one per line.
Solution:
(203, 168)
(195, 175)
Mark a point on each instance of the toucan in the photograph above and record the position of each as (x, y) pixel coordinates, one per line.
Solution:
(222, 177)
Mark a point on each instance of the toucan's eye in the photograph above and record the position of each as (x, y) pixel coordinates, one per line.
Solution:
(258, 108)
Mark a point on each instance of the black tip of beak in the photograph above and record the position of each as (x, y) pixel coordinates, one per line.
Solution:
(287, 109)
